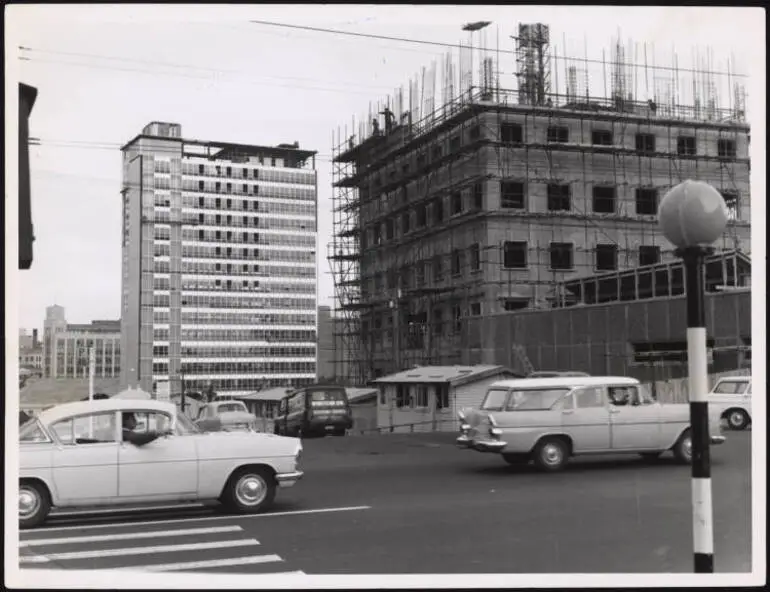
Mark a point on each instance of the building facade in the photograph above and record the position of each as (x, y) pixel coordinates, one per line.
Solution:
(492, 201)
(219, 263)
(65, 347)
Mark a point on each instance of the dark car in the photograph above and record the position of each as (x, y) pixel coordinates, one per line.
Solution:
(314, 410)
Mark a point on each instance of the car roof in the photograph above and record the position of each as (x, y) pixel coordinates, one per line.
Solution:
(58, 412)
(735, 379)
(564, 381)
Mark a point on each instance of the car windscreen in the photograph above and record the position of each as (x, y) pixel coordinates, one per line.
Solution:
(328, 398)
(32, 432)
(535, 399)
(495, 399)
(731, 387)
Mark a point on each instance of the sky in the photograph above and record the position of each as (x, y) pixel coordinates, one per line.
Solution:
(104, 71)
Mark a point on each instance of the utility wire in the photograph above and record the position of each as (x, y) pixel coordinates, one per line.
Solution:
(478, 48)
(183, 66)
(198, 77)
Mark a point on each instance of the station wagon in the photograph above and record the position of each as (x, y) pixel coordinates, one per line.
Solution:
(549, 420)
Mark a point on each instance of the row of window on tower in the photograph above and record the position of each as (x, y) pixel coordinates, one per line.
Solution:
(645, 143)
(268, 335)
(233, 351)
(161, 233)
(237, 301)
(230, 172)
(200, 268)
(192, 368)
(513, 134)
(513, 196)
(515, 255)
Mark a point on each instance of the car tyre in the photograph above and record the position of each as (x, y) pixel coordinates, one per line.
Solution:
(551, 454)
(340, 432)
(683, 448)
(516, 459)
(36, 504)
(737, 419)
(250, 490)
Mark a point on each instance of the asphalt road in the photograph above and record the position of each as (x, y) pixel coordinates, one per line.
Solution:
(414, 504)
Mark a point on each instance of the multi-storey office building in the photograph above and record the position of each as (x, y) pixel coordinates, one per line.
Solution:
(219, 263)
(66, 346)
(495, 199)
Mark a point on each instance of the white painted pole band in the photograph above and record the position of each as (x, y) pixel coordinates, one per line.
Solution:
(703, 531)
(697, 363)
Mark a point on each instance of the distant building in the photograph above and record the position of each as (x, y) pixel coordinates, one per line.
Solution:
(65, 347)
(31, 358)
(219, 263)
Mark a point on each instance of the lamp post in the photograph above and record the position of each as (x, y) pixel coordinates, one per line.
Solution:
(692, 216)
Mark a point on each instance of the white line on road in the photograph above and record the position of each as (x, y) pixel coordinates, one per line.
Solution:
(254, 559)
(137, 551)
(202, 519)
(118, 509)
(128, 535)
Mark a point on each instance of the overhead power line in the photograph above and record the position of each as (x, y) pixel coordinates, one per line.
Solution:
(33, 50)
(337, 89)
(456, 45)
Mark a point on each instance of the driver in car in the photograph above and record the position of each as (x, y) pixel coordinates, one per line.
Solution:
(137, 438)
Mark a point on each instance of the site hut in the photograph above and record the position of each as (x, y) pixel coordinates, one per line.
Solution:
(363, 406)
(427, 398)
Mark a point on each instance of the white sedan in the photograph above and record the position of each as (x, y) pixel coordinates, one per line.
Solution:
(120, 451)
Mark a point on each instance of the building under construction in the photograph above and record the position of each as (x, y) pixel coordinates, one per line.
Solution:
(499, 199)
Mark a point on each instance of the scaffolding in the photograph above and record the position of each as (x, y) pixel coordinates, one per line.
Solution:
(432, 204)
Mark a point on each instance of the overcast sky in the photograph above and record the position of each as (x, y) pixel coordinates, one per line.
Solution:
(103, 72)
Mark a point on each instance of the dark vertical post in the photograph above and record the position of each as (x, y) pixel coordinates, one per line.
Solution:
(703, 533)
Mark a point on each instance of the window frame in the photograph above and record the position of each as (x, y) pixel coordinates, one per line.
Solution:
(73, 418)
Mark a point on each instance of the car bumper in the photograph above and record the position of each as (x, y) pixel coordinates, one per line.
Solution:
(480, 445)
(718, 440)
(288, 479)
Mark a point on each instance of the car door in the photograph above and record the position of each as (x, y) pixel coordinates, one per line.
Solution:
(586, 418)
(85, 460)
(634, 420)
(166, 468)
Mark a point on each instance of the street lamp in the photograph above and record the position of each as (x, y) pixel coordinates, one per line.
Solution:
(692, 216)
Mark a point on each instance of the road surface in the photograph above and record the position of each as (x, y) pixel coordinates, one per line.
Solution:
(414, 504)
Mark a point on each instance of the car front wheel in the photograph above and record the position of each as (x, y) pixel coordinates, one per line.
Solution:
(551, 454)
(737, 419)
(34, 504)
(250, 490)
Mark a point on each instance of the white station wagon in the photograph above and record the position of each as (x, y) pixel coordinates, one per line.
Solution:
(115, 452)
(731, 396)
(549, 420)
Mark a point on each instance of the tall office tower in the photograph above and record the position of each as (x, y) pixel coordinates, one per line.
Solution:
(219, 264)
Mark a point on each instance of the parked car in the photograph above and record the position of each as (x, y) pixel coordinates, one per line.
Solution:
(314, 410)
(81, 454)
(225, 415)
(549, 420)
(731, 398)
